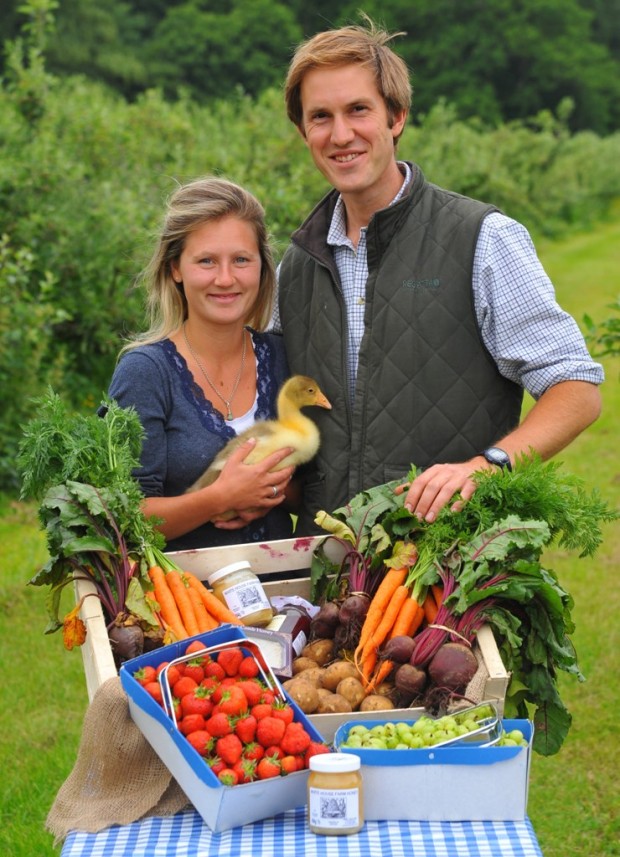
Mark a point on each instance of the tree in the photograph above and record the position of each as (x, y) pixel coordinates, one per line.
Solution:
(245, 45)
(502, 60)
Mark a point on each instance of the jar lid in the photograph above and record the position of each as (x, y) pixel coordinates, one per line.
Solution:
(228, 569)
(335, 763)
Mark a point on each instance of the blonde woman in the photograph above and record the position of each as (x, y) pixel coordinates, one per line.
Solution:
(204, 370)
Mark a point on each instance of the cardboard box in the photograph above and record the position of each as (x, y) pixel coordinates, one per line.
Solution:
(452, 783)
(283, 567)
(221, 807)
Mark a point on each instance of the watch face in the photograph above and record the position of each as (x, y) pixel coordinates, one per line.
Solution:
(497, 456)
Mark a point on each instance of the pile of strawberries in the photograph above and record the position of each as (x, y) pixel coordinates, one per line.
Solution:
(241, 727)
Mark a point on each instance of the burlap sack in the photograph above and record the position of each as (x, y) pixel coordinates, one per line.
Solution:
(117, 777)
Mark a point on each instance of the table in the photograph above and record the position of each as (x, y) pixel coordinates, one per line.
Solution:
(186, 835)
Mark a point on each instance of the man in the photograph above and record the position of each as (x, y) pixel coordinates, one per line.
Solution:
(422, 314)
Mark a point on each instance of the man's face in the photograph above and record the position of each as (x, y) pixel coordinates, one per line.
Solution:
(345, 125)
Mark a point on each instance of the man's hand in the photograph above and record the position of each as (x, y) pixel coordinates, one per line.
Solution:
(434, 488)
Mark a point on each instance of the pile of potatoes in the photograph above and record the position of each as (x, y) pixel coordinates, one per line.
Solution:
(322, 683)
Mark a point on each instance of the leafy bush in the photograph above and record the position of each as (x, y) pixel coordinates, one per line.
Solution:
(84, 177)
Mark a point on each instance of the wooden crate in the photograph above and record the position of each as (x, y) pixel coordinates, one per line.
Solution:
(268, 559)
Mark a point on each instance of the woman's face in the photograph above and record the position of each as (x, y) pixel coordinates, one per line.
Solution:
(220, 269)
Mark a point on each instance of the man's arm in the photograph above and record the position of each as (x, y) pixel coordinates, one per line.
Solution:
(557, 418)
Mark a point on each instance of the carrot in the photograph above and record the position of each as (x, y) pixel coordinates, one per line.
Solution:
(167, 605)
(380, 674)
(405, 618)
(394, 578)
(177, 587)
(430, 606)
(385, 625)
(368, 666)
(206, 622)
(437, 594)
(417, 620)
(214, 606)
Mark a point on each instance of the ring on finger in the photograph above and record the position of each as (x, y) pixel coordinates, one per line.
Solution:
(274, 491)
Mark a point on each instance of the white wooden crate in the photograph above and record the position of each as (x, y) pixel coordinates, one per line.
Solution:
(266, 559)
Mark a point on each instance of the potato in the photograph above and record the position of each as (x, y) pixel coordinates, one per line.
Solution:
(320, 651)
(305, 695)
(333, 703)
(352, 690)
(302, 663)
(376, 702)
(335, 672)
(323, 691)
(314, 675)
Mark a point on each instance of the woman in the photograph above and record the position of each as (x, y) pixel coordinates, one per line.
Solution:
(204, 370)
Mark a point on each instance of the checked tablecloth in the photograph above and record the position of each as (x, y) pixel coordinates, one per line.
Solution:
(186, 835)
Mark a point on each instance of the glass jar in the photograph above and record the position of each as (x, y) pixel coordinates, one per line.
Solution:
(295, 621)
(335, 794)
(241, 591)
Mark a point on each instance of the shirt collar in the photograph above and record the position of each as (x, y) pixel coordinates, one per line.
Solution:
(337, 234)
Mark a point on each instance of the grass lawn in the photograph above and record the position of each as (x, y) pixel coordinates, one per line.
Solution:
(574, 796)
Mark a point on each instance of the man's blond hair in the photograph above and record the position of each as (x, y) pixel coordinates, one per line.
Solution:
(362, 45)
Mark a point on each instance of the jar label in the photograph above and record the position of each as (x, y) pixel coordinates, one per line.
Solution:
(246, 598)
(337, 809)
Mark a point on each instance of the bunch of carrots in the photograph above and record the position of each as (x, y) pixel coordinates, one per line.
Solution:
(180, 601)
(398, 608)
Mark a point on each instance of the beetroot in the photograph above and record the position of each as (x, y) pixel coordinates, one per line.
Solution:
(410, 681)
(354, 608)
(324, 624)
(398, 649)
(453, 667)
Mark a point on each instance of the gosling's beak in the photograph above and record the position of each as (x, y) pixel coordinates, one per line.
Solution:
(322, 401)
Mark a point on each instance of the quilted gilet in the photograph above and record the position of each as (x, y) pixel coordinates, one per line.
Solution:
(427, 390)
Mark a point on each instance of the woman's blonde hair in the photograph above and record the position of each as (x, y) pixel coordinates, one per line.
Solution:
(190, 206)
(362, 45)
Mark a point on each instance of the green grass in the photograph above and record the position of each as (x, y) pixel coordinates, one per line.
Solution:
(573, 796)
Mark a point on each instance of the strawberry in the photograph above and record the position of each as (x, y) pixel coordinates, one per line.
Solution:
(219, 725)
(245, 728)
(216, 764)
(295, 739)
(145, 675)
(195, 670)
(229, 660)
(184, 685)
(197, 702)
(267, 768)
(245, 770)
(314, 748)
(262, 709)
(201, 741)
(288, 764)
(196, 646)
(211, 683)
(283, 711)
(173, 673)
(253, 690)
(232, 701)
(269, 731)
(215, 670)
(153, 689)
(191, 723)
(269, 696)
(248, 668)
(228, 777)
(275, 752)
(253, 752)
(229, 749)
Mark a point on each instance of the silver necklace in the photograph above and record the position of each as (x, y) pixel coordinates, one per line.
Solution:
(227, 402)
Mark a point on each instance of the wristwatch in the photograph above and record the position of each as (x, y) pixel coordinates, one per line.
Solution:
(497, 456)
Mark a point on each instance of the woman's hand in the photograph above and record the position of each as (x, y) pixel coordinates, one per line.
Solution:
(249, 491)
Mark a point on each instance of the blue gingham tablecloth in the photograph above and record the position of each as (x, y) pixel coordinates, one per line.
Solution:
(186, 835)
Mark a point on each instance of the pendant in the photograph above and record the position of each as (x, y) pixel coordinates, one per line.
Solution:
(229, 415)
